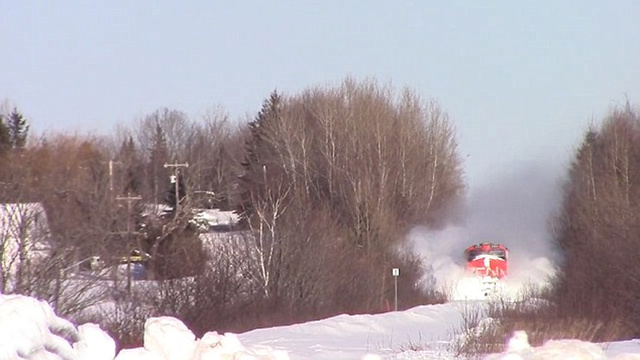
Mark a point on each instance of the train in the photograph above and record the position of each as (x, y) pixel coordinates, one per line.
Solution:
(489, 262)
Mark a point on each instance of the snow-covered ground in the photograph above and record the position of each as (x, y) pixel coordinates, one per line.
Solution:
(30, 330)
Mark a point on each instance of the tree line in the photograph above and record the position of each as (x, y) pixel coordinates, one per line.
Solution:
(326, 183)
(597, 229)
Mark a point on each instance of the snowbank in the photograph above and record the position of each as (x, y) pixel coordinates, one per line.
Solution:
(518, 348)
(29, 329)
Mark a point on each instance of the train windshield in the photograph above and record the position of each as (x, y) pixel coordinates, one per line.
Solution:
(499, 253)
(474, 252)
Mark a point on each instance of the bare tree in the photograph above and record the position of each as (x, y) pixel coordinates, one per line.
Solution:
(338, 149)
(598, 226)
(56, 214)
(211, 167)
(268, 247)
(24, 244)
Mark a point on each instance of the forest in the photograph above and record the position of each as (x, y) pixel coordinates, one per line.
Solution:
(326, 184)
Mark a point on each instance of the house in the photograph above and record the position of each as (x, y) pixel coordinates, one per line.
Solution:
(24, 240)
(215, 220)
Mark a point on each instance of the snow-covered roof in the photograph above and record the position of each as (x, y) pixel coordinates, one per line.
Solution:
(155, 209)
(216, 217)
(212, 217)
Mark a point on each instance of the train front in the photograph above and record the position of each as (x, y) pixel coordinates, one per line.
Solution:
(488, 261)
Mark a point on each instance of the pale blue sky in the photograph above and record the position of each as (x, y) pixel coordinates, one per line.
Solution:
(521, 80)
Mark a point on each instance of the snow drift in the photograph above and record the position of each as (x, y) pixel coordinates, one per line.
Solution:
(29, 329)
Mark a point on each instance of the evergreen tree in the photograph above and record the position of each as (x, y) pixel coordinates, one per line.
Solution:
(133, 168)
(5, 137)
(257, 154)
(159, 154)
(18, 129)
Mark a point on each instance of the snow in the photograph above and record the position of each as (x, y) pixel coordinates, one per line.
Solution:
(518, 348)
(354, 336)
(94, 343)
(442, 251)
(170, 337)
(217, 217)
(29, 329)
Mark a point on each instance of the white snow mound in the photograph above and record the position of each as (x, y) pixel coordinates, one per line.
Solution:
(518, 348)
(29, 329)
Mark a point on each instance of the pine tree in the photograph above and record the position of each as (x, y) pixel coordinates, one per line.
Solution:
(159, 154)
(18, 129)
(5, 137)
(133, 168)
(257, 153)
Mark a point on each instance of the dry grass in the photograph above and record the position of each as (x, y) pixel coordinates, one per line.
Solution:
(486, 327)
(478, 334)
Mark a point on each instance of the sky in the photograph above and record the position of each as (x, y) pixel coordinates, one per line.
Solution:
(521, 81)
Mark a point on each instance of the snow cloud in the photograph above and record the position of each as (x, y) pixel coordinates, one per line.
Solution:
(514, 207)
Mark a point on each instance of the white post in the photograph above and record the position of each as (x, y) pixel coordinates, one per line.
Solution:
(395, 272)
(111, 163)
(111, 176)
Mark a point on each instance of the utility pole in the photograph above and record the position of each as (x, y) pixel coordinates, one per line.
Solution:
(111, 163)
(176, 172)
(129, 199)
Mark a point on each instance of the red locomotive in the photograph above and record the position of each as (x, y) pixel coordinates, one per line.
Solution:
(487, 260)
